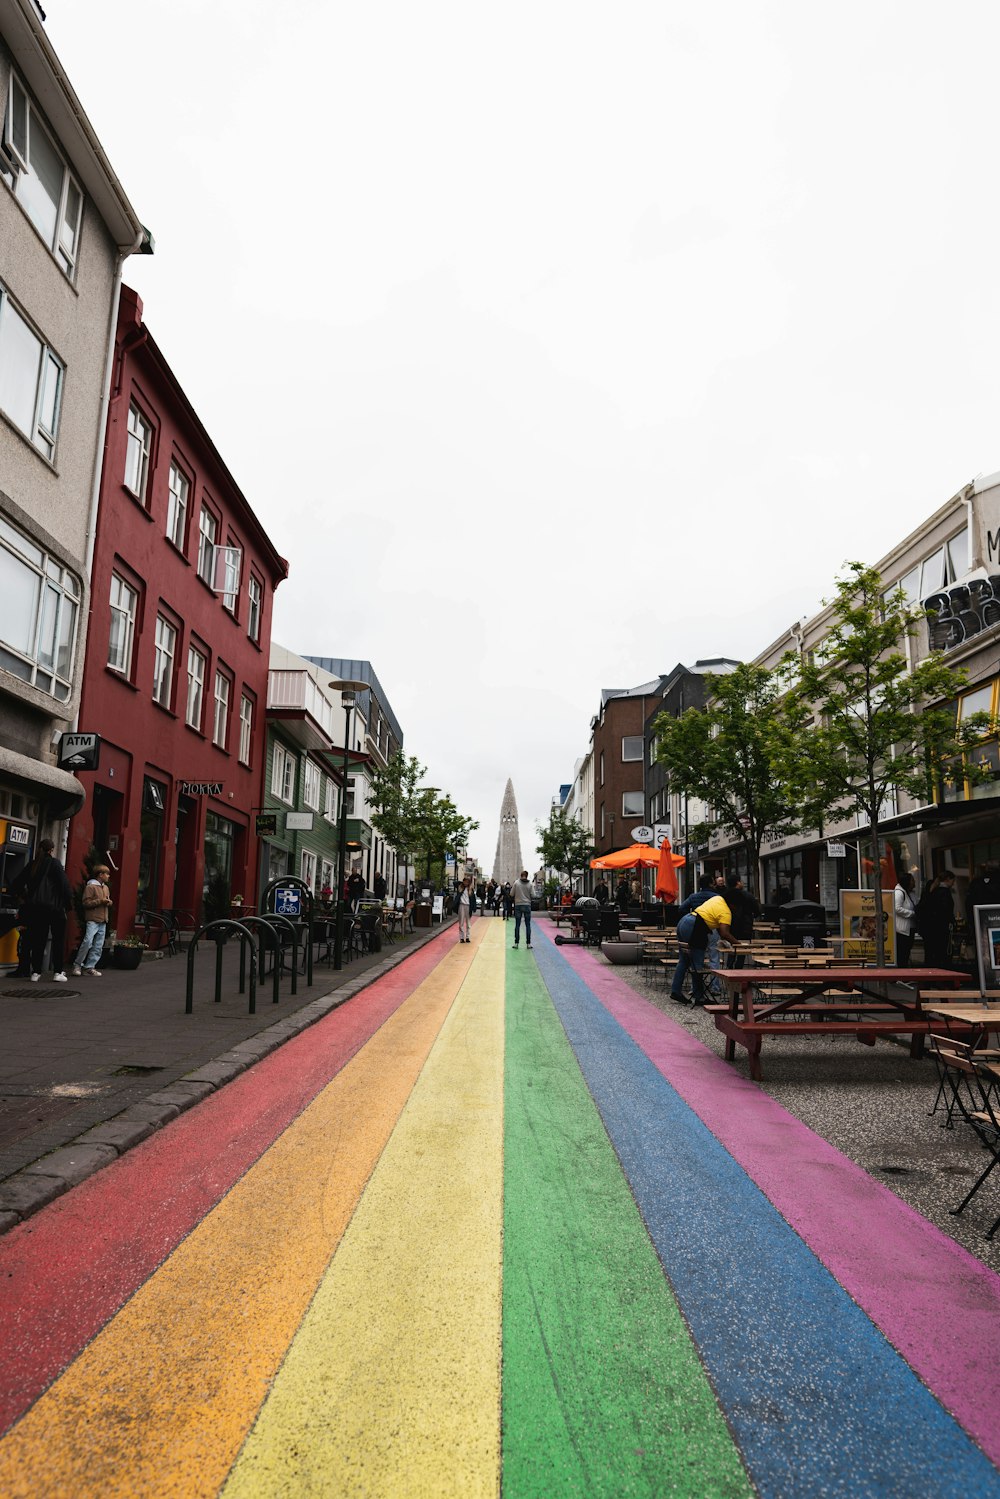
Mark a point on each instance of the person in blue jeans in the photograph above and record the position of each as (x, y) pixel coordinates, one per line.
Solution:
(693, 929)
(96, 910)
(521, 896)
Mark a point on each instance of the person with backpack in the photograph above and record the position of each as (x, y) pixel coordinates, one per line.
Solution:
(48, 898)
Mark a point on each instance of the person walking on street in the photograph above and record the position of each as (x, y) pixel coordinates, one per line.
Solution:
(466, 906)
(905, 908)
(97, 905)
(935, 917)
(508, 900)
(379, 886)
(521, 896)
(49, 897)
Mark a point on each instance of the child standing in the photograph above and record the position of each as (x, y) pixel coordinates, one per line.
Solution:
(97, 904)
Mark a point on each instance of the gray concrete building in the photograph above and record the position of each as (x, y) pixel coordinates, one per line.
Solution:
(66, 228)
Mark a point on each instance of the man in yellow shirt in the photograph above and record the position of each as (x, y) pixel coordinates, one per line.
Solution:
(693, 930)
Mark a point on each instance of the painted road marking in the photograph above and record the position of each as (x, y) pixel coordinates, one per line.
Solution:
(817, 1399)
(603, 1391)
(161, 1400)
(392, 1385)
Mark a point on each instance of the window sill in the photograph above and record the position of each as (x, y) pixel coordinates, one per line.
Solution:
(68, 280)
(139, 504)
(163, 708)
(222, 750)
(171, 543)
(13, 427)
(120, 676)
(193, 729)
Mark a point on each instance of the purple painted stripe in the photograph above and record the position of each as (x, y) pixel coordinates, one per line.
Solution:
(937, 1305)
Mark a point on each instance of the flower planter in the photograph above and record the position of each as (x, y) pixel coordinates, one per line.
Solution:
(622, 952)
(126, 957)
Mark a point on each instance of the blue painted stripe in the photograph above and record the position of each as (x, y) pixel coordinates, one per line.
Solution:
(818, 1401)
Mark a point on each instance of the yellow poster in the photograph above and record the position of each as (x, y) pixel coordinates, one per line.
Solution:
(857, 924)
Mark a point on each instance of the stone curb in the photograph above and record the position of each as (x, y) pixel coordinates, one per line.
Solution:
(35, 1186)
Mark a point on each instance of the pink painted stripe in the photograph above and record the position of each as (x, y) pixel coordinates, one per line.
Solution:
(68, 1269)
(937, 1305)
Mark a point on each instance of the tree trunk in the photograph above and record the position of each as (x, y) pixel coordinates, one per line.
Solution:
(877, 878)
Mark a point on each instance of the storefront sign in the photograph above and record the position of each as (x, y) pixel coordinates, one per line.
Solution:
(642, 834)
(201, 788)
(18, 837)
(266, 824)
(298, 822)
(662, 830)
(836, 850)
(79, 751)
(858, 923)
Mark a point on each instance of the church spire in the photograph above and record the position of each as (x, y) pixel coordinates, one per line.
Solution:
(508, 862)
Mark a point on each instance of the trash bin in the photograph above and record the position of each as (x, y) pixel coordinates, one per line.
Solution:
(803, 923)
(422, 915)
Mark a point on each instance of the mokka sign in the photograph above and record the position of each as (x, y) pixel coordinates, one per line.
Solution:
(201, 788)
(79, 751)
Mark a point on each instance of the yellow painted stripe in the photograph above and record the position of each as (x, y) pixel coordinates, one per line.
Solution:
(392, 1385)
(161, 1401)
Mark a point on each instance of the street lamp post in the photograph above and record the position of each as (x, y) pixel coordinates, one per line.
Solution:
(347, 690)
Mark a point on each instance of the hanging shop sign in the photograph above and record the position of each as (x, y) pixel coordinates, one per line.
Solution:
(201, 788)
(836, 850)
(642, 834)
(79, 751)
(266, 824)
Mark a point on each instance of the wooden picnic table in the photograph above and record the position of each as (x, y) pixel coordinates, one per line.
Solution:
(877, 1002)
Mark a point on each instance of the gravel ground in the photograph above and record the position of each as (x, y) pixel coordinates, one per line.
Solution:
(874, 1105)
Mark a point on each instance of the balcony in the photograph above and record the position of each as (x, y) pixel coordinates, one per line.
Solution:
(304, 711)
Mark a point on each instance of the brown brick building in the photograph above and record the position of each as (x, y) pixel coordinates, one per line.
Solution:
(619, 762)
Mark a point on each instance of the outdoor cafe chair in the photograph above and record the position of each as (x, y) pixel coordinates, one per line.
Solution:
(972, 1085)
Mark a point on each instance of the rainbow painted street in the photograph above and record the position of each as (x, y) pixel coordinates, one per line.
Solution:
(496, 1225)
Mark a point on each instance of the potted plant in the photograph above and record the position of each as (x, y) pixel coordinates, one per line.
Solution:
(127, 952)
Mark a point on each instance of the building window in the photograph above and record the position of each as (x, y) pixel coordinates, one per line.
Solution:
(232, 558)
(246, 728)
(196, 688)
(220, 726)
(177, 507)
(121, 638)
(602, 820)
(283, 774)
(208, 528)
(39, 605)
(43, 185)
(308, 868)
(310, 785)
(30, 379)
(255, 595)
(602, 767)
(349, 797)
(163, 662)
(633, 804)
(632, 747)
(940, 570)
(328, 808)
(137, 450)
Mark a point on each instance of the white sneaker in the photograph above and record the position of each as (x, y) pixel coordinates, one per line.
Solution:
(77, 972)
(59, 978)
(35, 977)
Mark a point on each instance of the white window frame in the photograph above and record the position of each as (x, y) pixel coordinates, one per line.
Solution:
(163, 662)
(255, 609)
(44, 651)
(228, 570)
(208, 530)
(329, 806)
(308, 868)
(124, 600)
(283, 775)
(197, 665)
(42, 428)
(138, 449)
(64, 240)
(246, 728)
(311, 784)
(177, 505)
(220, 712)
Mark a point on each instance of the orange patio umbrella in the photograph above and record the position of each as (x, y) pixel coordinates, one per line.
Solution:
(637, 855)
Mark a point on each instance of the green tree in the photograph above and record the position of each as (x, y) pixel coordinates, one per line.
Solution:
(731, 753)
(881, 726)
(414, 820)
(564, 844)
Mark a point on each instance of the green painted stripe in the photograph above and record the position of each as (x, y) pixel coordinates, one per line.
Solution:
(603, 1391)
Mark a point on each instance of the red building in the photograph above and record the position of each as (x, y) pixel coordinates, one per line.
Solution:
(175, 675)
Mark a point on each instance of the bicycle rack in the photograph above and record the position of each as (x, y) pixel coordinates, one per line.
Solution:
(270, 924)
(219, 932)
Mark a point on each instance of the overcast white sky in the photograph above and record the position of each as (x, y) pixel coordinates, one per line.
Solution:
(556, 343)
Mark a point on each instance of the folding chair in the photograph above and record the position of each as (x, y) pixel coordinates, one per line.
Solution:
(983, 1119)
(956, 1061)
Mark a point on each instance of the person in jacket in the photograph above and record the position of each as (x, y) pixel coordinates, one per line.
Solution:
(355, 888)
(507, 897)
(97, 905)
(466, 908)
(744, 908)
(48, 898)
(905, 908)
(935, 917)
(521, 897)
(601, 893)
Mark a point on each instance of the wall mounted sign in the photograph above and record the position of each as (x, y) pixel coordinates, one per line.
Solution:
(79, 751)
(201, 788)
(298, 822)
(287, 900)
(266, 824)
(836, 850)
(642, 834)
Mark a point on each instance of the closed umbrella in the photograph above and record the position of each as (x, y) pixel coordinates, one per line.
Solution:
(666, 874)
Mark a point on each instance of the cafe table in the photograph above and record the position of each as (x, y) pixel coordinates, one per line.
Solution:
(865, 1002)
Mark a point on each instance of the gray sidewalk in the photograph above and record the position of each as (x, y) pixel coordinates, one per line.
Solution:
(91, 1067)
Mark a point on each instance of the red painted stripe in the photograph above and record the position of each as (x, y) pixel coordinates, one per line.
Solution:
(68, 1269)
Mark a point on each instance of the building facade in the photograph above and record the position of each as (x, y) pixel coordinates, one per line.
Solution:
(66, 228)
(618, 754)
(176, 672)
